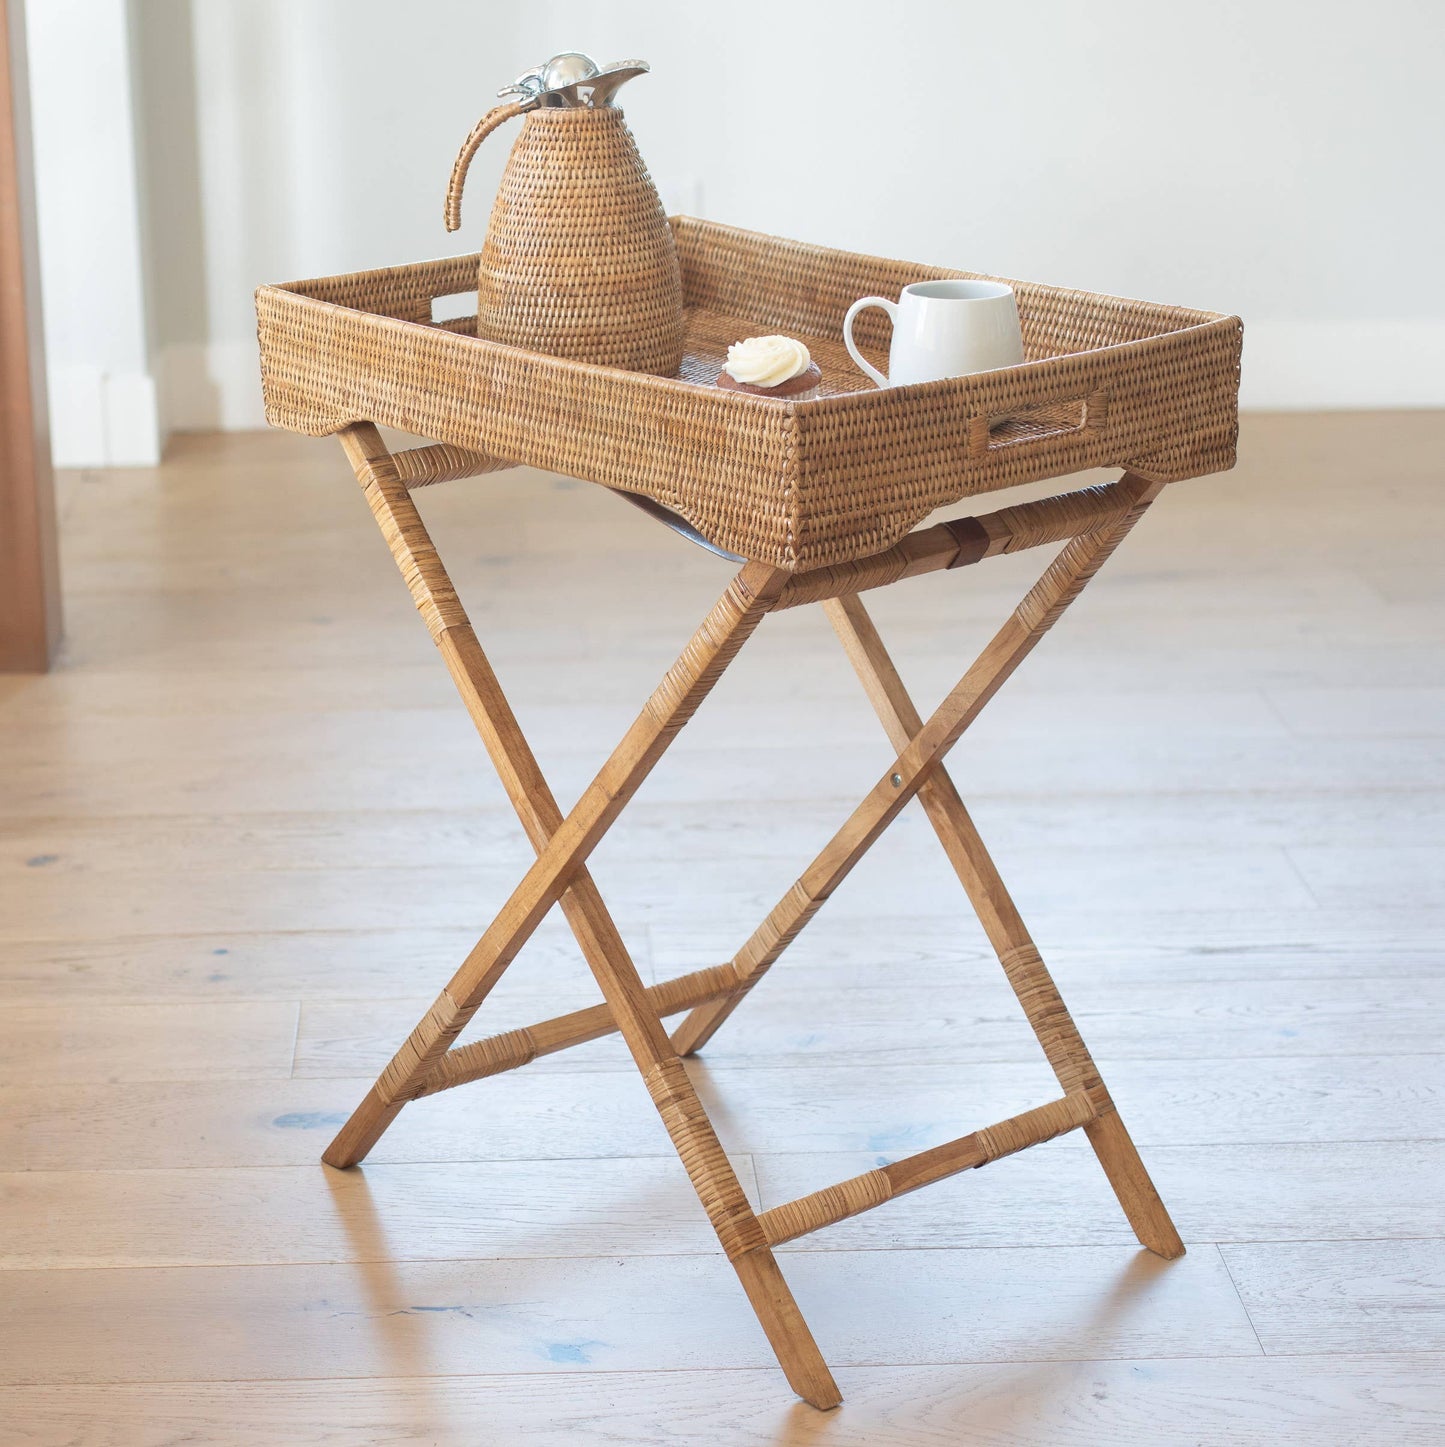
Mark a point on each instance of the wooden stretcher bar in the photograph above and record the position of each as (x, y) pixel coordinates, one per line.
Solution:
(862, 1193)
(967, 540)
(514, 1048)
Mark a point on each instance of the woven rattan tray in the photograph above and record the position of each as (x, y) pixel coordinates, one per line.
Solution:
(798, 484)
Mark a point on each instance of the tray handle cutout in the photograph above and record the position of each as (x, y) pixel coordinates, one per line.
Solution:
(455, 311)
(1081, 416)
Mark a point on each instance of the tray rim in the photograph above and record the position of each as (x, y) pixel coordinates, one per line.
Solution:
(1202, 321)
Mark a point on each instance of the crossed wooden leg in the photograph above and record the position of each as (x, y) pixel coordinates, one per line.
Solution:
(1028, 976)
(920, 754)
(1062, 1044)
(562, 846)
(1095, 520)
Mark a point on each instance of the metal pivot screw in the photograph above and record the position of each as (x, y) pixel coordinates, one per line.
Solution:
(896, 780)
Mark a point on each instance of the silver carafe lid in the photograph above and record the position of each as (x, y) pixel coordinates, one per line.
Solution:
(572, 79)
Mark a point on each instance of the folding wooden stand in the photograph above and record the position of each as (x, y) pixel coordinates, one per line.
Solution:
(1091, 523)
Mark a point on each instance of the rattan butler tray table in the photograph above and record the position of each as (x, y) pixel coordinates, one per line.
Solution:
(818, 500)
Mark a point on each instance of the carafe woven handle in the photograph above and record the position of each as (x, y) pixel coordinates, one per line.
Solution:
(483, 128)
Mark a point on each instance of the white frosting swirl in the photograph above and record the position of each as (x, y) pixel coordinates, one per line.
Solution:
(767, 361)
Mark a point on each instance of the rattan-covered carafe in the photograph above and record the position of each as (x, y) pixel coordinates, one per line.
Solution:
(579, 259)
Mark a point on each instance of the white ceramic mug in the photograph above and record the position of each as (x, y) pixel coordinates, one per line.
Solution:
(944, 329)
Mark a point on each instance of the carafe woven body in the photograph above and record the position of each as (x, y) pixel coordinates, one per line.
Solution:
(579, 259)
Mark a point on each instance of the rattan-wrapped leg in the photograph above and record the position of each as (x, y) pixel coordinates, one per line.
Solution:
(1045, 602)
(1062, 1044)
(563, 845)
(634, 1014)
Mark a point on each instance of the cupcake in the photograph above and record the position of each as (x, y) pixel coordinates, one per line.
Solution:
(769, 367)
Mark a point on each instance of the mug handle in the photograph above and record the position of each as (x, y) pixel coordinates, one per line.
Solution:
(863, 364)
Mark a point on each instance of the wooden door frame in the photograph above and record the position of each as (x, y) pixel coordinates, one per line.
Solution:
(29, 566)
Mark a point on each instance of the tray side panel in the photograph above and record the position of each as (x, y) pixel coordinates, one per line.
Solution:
(405, 292)
(719, 459)
(1165, 407)
(791, 286)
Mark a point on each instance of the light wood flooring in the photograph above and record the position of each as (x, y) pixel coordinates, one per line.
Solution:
(246, 832)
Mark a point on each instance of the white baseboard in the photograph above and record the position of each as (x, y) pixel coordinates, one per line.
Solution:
(103, 419)
(211, 388)
(1332, 366)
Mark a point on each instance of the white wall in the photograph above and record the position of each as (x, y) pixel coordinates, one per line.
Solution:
(97, 335)
(1274, 158)
(320, 135)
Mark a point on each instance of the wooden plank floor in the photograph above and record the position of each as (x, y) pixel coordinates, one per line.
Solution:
(246, 832)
